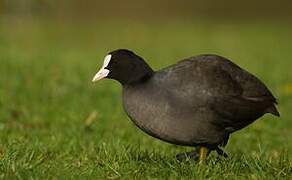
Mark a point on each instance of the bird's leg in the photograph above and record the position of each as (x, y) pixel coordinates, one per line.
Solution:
(203, 152)
(221, 152)
(191, 154)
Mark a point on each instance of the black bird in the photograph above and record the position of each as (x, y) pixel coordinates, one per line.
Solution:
(198, 101)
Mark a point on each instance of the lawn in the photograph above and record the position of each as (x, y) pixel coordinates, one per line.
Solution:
(56, 124)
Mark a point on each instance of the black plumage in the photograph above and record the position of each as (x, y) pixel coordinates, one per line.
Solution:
(199, 101)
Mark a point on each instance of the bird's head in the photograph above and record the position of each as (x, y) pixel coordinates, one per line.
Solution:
(124, 66)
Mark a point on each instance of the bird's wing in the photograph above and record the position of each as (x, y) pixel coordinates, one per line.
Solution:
(243, 98)
(253, 88)
(235, 94)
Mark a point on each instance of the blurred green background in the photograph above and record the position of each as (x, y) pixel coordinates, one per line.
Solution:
(54, 123)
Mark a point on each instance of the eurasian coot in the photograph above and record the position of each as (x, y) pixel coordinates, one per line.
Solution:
(199, 101)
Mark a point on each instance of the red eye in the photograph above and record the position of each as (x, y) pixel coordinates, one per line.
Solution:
(113, 63)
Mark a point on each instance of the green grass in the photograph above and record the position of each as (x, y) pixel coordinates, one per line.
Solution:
(46, 97)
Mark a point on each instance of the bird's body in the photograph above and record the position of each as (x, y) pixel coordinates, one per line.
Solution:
(199, 101)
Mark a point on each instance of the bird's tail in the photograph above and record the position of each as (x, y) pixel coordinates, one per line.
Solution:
(273, 110)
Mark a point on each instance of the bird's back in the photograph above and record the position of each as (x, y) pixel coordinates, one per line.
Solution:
(214, 81)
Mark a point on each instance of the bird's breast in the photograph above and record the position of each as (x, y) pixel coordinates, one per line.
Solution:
(147, 110)
(157, 114)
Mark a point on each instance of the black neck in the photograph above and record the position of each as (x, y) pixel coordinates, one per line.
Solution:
(137, 75)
